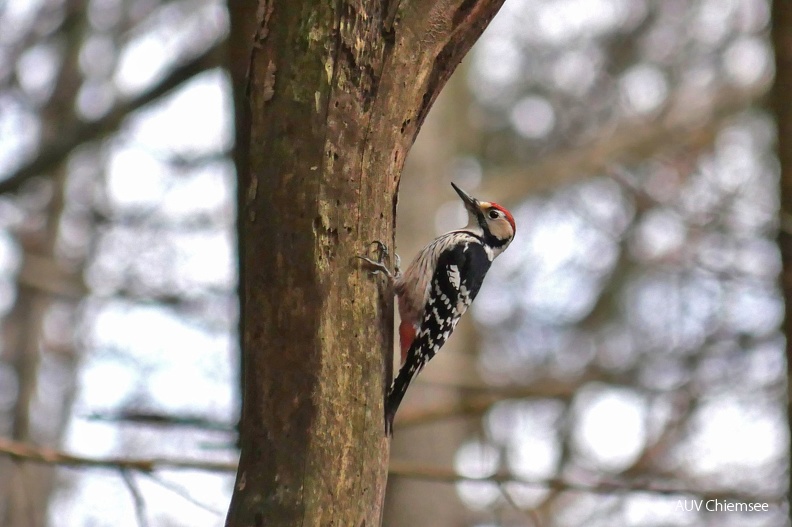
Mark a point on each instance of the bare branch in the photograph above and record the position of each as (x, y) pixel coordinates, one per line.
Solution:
(25, 452)
(401, 469)
(53, 154)
(478, 398)
(686, 125)
(424, 472)
(159, 419)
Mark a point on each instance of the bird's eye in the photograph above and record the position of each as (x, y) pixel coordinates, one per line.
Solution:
(494, 214)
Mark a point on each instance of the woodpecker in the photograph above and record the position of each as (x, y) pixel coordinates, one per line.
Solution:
(439, 285)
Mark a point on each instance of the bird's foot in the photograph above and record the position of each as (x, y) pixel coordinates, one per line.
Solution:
(378, 265)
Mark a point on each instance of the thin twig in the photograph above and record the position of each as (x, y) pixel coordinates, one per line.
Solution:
(137, 497)
(158, 419)
(182, 493)
(530, 514)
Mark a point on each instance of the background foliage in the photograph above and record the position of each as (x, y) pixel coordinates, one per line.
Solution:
(629, 339)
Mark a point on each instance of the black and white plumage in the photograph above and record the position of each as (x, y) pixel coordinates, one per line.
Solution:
(439, 286)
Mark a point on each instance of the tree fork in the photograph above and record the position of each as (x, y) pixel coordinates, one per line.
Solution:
(337, 92)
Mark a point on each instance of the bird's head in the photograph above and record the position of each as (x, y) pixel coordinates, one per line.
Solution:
(493, 222)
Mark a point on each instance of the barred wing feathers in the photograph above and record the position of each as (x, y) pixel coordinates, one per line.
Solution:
(455, 283)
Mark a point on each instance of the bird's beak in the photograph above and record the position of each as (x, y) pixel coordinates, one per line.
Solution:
(471, 203)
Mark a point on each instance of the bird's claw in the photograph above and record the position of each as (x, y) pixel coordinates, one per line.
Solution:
(378, 264)
(382, 250)
(379, 267)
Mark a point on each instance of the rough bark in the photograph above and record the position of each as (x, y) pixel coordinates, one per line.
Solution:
(337, 93)
(782, 42)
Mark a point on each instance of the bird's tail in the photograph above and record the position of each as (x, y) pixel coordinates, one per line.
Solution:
(407, 373)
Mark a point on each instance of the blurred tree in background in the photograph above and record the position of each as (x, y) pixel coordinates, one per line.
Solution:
(626, 348)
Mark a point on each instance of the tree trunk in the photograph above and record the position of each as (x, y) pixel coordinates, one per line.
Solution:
(25, 490)
(782, 42)
(337, 93)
